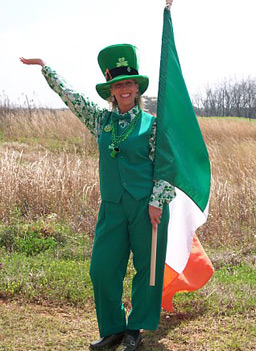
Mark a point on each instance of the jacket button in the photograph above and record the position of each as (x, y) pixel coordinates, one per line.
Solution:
(123, 170)
(124, 184)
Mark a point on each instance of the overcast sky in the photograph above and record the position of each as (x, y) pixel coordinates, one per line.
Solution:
(215, 39)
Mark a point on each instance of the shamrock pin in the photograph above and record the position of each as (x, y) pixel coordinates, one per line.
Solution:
(121, 62)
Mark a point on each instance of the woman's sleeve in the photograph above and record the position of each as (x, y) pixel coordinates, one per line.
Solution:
(88, 112)
(163, 192)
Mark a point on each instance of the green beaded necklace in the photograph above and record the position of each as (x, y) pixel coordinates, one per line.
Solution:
(118, 139)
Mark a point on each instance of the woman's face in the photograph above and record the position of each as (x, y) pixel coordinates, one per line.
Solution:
(125, 92)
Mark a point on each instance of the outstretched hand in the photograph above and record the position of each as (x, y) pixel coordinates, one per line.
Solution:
(35, 61)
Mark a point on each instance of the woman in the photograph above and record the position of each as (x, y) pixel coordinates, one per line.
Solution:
(131, 201)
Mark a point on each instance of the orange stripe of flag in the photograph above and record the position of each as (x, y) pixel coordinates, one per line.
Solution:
(195, 275)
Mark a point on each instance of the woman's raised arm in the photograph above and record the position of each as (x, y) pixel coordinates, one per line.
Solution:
(88, 112)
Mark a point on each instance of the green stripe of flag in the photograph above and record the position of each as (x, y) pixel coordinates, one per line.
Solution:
(181, 156)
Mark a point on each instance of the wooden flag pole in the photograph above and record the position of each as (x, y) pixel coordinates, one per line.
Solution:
(153, 257)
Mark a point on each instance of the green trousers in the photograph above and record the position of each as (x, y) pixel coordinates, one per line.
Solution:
(123, 228)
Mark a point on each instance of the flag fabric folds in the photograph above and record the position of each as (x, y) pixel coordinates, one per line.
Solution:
(181, 159)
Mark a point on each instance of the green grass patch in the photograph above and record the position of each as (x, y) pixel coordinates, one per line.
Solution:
(32, 238)
(45, 278)
(46, 296)
(218, 317)
(64, 317)
(44, 260)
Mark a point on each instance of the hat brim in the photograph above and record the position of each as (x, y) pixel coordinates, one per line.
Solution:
(103, 89)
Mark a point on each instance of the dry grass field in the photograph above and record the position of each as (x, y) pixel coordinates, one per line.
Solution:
(231, 145)
(49, 165)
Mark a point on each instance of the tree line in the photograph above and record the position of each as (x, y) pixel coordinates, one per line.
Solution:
(228, 98)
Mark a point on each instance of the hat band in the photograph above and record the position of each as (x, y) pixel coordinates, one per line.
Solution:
(120, 71)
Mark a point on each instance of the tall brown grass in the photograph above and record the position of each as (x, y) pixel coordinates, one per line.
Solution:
(231, 145)
(53, 129)
(49, 165)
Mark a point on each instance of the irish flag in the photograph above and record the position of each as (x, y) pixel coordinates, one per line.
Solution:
(182, 160)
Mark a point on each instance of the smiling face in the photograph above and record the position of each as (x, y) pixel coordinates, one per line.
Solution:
(125, 93)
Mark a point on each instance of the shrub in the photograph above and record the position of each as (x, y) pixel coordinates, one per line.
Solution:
(33, 243)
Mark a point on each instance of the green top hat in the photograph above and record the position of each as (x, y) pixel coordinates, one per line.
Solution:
(119, 62)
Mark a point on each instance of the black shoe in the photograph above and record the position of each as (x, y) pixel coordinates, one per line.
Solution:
(130, 343)
(107, 342)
